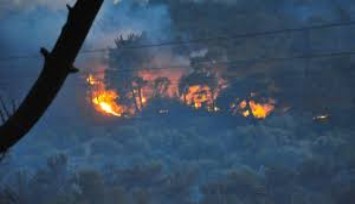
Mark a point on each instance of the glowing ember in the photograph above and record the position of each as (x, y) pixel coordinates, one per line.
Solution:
(243, 104)
(144, 100)
(246, 113)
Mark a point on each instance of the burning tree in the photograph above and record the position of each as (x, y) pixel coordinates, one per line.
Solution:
(124, 62)
(137, 85)
(131, 83)
(161, 86)
(198, 89)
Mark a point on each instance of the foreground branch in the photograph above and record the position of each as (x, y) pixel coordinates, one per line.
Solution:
(57, 66)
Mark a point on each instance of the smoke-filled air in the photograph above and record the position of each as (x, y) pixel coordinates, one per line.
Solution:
(186, 102)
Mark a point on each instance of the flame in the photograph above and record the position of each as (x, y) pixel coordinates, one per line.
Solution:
(261, 111)
(253, 109)
(165, 84)
(144, 100)
(104, 100)
(246, 113)
(243, 104)
(91, 80)
(199, 96)
(173, 75)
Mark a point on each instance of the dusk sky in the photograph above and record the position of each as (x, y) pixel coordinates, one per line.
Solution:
(178, 101)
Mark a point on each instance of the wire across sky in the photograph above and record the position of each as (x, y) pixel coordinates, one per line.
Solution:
(201, 40)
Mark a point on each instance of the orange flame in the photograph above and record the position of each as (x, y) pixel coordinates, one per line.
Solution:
(173, 75)
(254, 109)
(104, 100)
(91, 80)
(199, 96)
(261, 111)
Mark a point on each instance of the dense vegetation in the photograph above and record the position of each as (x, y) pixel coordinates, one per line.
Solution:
(191, 156)
(200, 161)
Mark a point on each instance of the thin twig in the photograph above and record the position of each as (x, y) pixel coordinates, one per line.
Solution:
(3, 105)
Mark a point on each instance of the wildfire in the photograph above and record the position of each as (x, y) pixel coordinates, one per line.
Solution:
(104, 100)
(243, 108)
(160, 84)
(204, 95)
(91, 80)
(163, 83)
(254, 109)
(199, 96)
(261, 111)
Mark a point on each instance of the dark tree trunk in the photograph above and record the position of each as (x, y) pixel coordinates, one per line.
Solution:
(57, 66)
(135, 99)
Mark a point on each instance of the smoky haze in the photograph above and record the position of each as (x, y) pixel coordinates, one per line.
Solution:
(28, 26)
(209, 106)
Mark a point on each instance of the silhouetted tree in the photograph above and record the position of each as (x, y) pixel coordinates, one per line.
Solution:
(125, 61)
(161, 86)
(57, 67)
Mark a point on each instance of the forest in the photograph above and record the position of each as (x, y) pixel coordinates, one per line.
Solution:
(194, 102)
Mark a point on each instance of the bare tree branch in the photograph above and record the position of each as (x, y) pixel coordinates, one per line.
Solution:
(57, 67)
